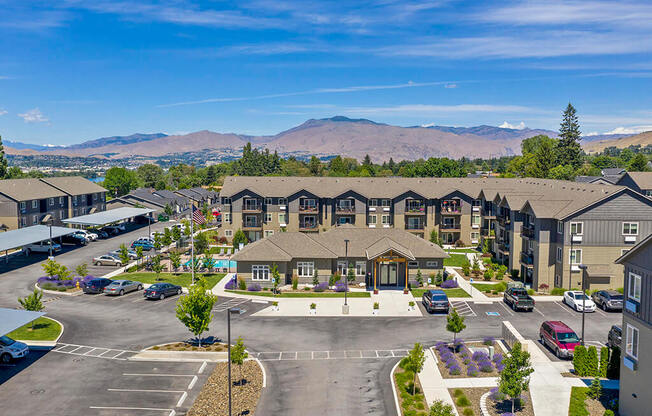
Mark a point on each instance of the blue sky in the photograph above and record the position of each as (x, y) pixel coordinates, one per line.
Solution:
(74, 70)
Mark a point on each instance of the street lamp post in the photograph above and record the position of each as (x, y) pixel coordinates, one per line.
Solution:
(345, 307)
(228, 341)
(583, 268)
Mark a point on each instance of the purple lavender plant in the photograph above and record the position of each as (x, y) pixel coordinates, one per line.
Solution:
(480, 356)
(455, 370)
(496, 395)
(485, 366)
(498, 358)
(500, 367)
(321, 287)
(488, 341)
(254, 287)
(340, 286)
(449, 284)
(231, 284)
(472, 371)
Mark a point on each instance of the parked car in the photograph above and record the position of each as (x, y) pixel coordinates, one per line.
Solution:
(151, 240)
(11, 350)
(435, 301)
(120, 287)
(132, 254)
(107, 260)
(96, 285)
(100, 233)
(559, 337)
(517, 298)
(161, 291)
(111, 230)
(75, 239)
(608, 300)
(145, 244)
(615, 336)
(578, 300)
(90, 236)
(41, 247)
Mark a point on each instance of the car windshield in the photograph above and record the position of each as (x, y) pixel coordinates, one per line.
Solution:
(580, 296)
(567, 337)
(439, 297)
(6, 341)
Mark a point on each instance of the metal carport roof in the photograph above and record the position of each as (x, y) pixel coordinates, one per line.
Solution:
(108, 217)
(11, 319)
(28, 235)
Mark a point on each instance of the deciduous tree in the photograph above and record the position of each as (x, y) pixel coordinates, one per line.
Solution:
(195, 309)
(515, 377)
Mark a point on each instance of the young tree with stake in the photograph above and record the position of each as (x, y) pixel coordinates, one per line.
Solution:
(455, 323)
(32, 303)
(175, 260)
(238, 356)
(194, 309)
(515, 377)
(415, 360)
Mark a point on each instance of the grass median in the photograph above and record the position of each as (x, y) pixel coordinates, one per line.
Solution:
(181, 279)
(45, 329)
(451, 293)
(303, 294)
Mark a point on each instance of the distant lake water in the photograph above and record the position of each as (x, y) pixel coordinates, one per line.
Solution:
(98, 179)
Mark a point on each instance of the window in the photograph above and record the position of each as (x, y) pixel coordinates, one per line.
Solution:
(386, 220)
(34, 219)
(560, 227)
(60, 200)
(530, 245)
(631, 347)
(432, 264)
(94, 197)
(259, 272)
(228, 233)
(23, 221)
(630, 228)
(560, 255)
(373, 202)
(34, 203)
(341, 268)
(575, 256)
(648, 192)
(475, 220)
(50, 201)
(360, 268)
(62, 214)
(413, 265)
(282, 201)
(576, 228)
(268, 217)
(623, 251)
(634, 288)
(282, 218)
(269, 233)
(475, 236)
(371, 219)
(227, 217)
(268, 201)
(74, 199)
(305, 268)
(385, 202)
(23, 205)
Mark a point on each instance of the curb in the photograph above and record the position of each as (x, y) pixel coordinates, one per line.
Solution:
(42, 345)
(391, 379)
(56, 292)
(483, 404)
(263, 370)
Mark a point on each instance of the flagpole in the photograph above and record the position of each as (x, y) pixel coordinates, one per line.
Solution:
(192, 240)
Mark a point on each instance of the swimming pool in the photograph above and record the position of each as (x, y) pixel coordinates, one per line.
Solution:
(225, 263)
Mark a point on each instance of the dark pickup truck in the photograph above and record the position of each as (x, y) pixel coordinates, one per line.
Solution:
(517, 298)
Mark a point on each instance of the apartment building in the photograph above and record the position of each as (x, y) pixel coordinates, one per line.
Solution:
(153, 199)
(636, 365)
(641, 182)
(84, 196)
(528, 222)
(31, 201)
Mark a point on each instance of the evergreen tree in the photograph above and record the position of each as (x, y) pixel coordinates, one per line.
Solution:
(604, 361)
(3, 161)
(638, 163)
(569, 151)
(315, 166)
(544, 159)
(592, 361)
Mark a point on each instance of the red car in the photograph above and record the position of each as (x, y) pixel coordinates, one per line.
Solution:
(559, 337)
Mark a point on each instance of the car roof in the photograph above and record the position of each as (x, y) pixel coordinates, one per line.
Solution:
(119, 281)
(437, 292)
(611, 292)
(559, 325)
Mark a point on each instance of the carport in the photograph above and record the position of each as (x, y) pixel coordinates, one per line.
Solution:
(11, 319)
(29, 235)
(99, 219)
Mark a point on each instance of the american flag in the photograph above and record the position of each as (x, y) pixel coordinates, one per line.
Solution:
(197, 216)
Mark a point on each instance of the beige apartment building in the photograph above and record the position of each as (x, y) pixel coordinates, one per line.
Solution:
(527, 221)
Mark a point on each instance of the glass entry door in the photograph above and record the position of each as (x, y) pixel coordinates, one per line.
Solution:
(388, 274)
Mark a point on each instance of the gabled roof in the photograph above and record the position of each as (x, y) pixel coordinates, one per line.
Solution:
(642, 179)
(28, 189)
(636, 250)
(385, 245)
(284, 247)
(74, 185)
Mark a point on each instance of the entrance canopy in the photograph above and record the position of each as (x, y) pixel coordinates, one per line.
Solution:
(11, 319)
(108, 217)
(28, 235)
(386, 245)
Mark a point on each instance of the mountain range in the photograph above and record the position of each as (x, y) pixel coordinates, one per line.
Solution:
(321, 137)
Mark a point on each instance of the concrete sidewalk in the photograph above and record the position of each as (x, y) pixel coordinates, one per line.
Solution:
(432, 383)
(550, 392)
(476, 295)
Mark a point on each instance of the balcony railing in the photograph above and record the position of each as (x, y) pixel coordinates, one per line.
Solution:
(486, 233)
(308, 226)
(252, 208)
(451, 210)
(415, 226)
(527, 259)
(308, 208)
(503, 247)
(449, 227)
(344, 209)
(527, 231)
(504, 221)
(489, 214)
(249, 226)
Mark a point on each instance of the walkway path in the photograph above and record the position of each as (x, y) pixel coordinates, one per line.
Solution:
(476, 295)
(550, 391)
(432, 383)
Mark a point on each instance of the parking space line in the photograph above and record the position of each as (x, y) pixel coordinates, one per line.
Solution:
(182, 399)
(202, 368)
(506, 308)
(131, 408)
(147, 391)
(539, 312)
(601, 313)
(88, 352)
(192, 382)
(157, 375)
(563, 307)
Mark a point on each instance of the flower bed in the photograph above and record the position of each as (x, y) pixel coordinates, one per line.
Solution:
(53, 283)
(467, 402)
(457, 361)
(410, 404)
(187, 346)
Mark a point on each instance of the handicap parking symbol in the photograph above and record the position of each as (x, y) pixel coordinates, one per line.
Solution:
(493, 314)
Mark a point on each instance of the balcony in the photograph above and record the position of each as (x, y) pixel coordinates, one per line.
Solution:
(527, 231)
(449, 227)
(308, 226)
(415, 226)
(252, 226)
(414, 207)
(344, 209)
(503, 248)
(252, 208)
(451, 211)
(488, 233)
(312, 209)
(527, 259)
(504, 221)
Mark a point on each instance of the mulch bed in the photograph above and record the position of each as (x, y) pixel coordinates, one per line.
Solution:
(464, 367)
(473, 395)
(213, 398)
(186, 346)
(597, 407)
(495, 409)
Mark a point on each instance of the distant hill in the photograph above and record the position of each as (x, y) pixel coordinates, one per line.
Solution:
(116, 140)
(495, 133)
(28, 146)
(642, 139)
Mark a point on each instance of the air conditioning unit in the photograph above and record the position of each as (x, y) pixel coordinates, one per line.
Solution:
(630, 238)
(372, 225)
(372, 209)
(577, 238)
(386, 209)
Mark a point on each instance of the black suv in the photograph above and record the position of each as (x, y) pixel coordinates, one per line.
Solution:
(615, 336)
(75, 239)
(96, 285)
(435, 301)
(608, 300)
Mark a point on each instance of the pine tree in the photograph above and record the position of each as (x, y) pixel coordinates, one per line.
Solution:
(592, 361)
(569, 151)
(579, 360)
(638, 163)
(3, 161)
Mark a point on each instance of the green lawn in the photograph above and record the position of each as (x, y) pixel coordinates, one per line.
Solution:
(455, 260)
(181, 279)
(577, 406)
(304, 294)
(452, 293)
(45, 329)
(487, 287)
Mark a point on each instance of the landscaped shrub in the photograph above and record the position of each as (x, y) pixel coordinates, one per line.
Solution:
(496, 395)
(466, 360)
(608, 412)
(451, 362)
(488, 341)
(579, 361)
(543, 287)
(463, 401)
(472, 370)
(507, 414)
(341, 287)
(498, 358)
(595, 389)
(455, 369)
(592, 362)
(468, 412)
(458, 393)
(295, 282)
(604, 361)
(479, 356)
(242, 285)
(254, 287)
(449, 284)
(488, 274)
(333, 279)
(321, 287)
(557, 291)
(485, 366)
(414, 284)
(446, 355)
(459, 243)
(459, 343)
(231, 284)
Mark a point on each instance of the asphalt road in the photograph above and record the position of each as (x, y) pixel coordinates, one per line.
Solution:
(316, 366)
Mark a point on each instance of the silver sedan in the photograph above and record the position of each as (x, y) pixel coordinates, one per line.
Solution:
(107, 260)
(120, 287)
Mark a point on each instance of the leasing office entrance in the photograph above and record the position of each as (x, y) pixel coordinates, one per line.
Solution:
(388, 274)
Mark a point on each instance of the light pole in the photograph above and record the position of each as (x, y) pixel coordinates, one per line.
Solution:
(583, 268)
(228, 345)
(345, 307)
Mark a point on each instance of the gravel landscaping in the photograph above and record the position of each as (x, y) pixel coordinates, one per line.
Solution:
(213, 398)
(467, 402)
(186, 346)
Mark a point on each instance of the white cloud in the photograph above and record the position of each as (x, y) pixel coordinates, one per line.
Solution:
(593, 133)
(33, 116)
(2, 112)
(629, 130)
(450, 86)
(506, 125)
